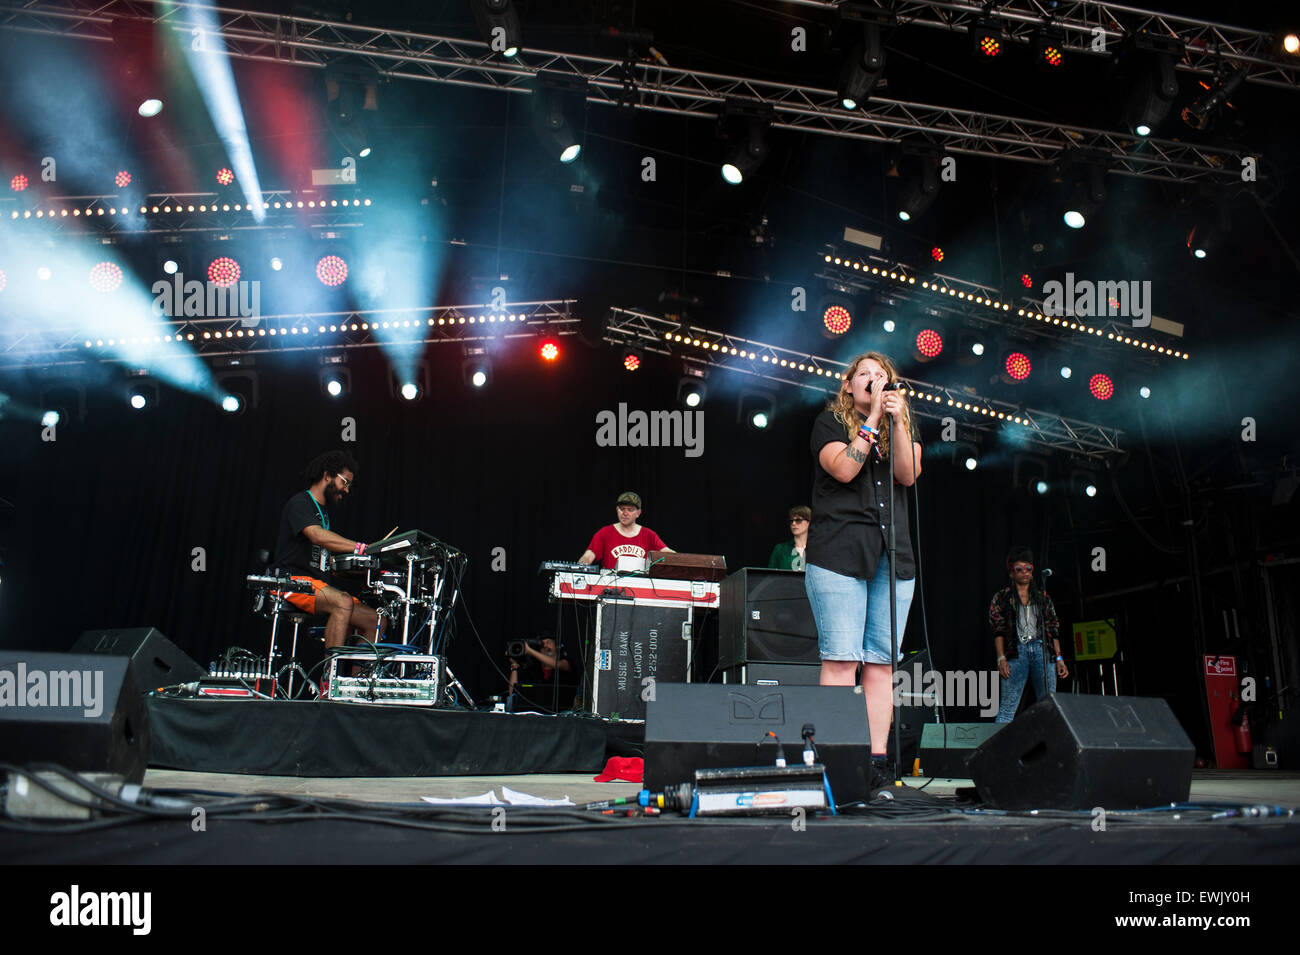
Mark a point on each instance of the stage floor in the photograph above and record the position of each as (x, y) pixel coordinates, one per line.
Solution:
(1238, 788)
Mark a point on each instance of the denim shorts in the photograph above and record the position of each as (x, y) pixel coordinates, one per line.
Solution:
(852, 615)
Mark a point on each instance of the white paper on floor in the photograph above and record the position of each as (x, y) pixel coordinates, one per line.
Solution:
(488, 798)
(524, 799)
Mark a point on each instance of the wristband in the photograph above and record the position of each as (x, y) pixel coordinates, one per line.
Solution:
(1000, 659)
(1060, 659)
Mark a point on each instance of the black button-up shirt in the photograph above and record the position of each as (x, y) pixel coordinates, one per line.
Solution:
(849, 528)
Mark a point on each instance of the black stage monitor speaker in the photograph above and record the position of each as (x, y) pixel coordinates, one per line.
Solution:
(776, 674)
(706, 725)
(157, 661)
(79, 711)
(946, 748)
(1078, 752)
(763, 615)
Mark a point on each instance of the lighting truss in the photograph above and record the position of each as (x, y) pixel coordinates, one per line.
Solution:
(642, 85)
(181, 212)
(25, 344)
(986, 305)
(1208, 44)
(663, 336)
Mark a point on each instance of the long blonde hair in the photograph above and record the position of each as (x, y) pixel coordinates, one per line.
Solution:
(847, 414)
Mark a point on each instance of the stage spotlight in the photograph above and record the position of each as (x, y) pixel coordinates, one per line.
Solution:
(1083, 482)
(43, 273)
(691, 391)
(927, 342)
(410, 390)
(1040, 487)
(1026, 280)
(237, 385)
(920, 189)
(1087, 198)
(745, 157)
(498, 24)
(332, 270)
(231, 404)
(105, 277)
(988, 39)
(18, 183)
(139, 402)
(1049, 48)
(1066, 371)
(1144, 392)
(475, 369)
(862, 68)
(1202, 113)
(351, 95)
(977, 349)
(1155, 85)
(1291, 44)
(223, 271)
(966, 455)
(889, 325)
(549, 350)
(936, 253)
(1101, 387)
(224, 176)
(335, 378)
(1029, 473)
(837, 314)
(551, 96)
(170, 267)
(970, 348)
(276, 263)
(122, 179)
(1015, 367)
(1206, 235)
(150, 107)
(50, 418)
(756, 409)
(631, 359)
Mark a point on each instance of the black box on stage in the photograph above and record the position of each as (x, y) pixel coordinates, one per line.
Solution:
(775, 674)
(157, 661)
(1077, 752)
(764, 616)
(707, 725)
(636, 644)
(946, 748)
(78, 711)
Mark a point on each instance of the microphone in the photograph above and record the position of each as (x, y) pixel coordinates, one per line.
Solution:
(1047, 571)
(888, 386)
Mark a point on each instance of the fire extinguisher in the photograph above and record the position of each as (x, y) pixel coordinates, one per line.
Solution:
(1242, 730)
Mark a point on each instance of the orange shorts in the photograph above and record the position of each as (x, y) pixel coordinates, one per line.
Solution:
(307, 602)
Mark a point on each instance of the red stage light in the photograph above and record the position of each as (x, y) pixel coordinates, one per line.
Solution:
(929, 342)
(105, 277)
(549, 349)
(990, 46)
(1026, 280)
(1018, 366)
(18, 183)
(224, 176)
(631, 362)
(223, 272)
(837, 319)
(332, 270)
(122, 179)
(1052, 55)
(1101, 387)
(937, 254)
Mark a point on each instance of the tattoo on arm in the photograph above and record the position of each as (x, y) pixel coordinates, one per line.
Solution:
(856, 455)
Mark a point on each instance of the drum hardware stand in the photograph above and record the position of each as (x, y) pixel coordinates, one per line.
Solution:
(452, 681)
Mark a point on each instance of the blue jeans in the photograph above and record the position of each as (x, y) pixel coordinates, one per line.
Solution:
(1028, 664)
(852, 614)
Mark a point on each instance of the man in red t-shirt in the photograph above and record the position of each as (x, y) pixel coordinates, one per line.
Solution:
(626, 539)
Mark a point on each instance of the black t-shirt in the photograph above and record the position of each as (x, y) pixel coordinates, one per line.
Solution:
(293, 551)
(848, 532)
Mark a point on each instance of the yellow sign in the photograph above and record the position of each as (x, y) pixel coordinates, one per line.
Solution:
(1094, 640)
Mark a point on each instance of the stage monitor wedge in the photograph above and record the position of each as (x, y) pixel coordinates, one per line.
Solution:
(157, 661)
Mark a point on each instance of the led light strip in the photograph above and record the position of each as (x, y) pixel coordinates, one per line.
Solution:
(170, 207)
(986, 298)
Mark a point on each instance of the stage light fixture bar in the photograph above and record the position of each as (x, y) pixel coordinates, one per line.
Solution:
(640, 85)
(986, 303)
(664, 336)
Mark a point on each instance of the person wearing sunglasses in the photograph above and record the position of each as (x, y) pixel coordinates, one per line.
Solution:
(305, 540)
(1023, 621)
(789, 555)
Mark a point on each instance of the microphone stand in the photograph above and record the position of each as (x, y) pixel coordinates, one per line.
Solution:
(893, 601)
(1047, 691)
